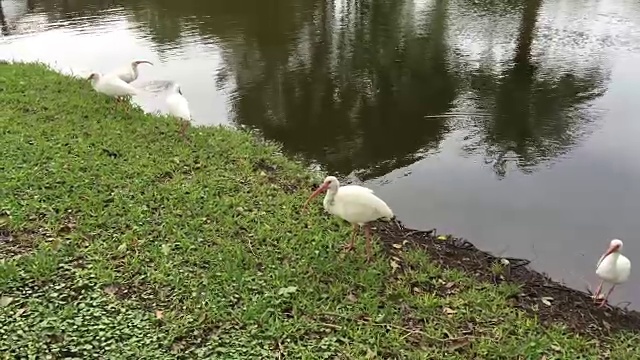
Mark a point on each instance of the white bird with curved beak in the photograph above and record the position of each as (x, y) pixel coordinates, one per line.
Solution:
(111, 85)
(613, 268)
(179, 107)
(355, 204)
(129, 73)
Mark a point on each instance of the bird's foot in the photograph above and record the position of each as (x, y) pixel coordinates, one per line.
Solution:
(598, 297)
(348, 247)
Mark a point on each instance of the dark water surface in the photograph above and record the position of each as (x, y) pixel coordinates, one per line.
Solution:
(546, 167)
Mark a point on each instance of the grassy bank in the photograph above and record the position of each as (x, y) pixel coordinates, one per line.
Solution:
(119, 239)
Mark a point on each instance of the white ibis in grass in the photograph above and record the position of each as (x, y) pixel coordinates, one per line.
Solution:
(355, 204)
(613, 268)
(129, 73)
(111, 85)
(179, 107)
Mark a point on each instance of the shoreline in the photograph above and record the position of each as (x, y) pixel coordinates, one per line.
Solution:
(538, 291)
(117, 238)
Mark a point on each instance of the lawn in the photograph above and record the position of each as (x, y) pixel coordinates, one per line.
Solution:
(119, 239)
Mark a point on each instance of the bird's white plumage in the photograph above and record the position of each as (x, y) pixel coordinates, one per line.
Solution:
(177, 104)
(614, 268)
(353, 203)
(128, 73)
(111, 85)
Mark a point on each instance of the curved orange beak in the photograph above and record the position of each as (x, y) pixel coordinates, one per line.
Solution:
(609, 251)
(318, 191)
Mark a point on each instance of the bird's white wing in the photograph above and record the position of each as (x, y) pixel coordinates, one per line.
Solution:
(178, 106)
(113, 85)
(359, 197)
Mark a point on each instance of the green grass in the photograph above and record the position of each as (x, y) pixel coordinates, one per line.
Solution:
(127, 242)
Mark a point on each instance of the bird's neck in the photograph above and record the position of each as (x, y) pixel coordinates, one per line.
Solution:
(135, 70)
(614, 256)
(330, 197)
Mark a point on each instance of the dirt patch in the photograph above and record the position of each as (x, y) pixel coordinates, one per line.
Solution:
(272, 174)
(14, 244)
(573, 308)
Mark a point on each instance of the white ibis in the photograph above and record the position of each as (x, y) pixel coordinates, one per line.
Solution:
(179, 107)
(355, 204)
(129, 73)
(613, 268)
(111, 85)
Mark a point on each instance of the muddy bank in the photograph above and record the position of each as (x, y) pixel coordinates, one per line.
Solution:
(540, 296)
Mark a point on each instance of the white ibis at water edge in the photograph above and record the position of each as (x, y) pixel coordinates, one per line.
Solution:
(129, 73)
(613, 268)
(111, 85)
(355, 204)
(179, 107)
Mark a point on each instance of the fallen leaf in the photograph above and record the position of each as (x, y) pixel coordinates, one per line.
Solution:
(352, 298)
(442, 237)
(159, 314)
(287, 290)
(546, 300)
(370, 354)
(458, 343)
(67, 228)
(5, 300)
(55, 244)
(417, 290)
(397, 246)
(21, 311)
(111, 289)
(448, 311)
(449, 285)
(394, 265)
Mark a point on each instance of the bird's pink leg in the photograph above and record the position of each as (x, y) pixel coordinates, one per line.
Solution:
(604, 301)
(351, 245)
(597, 293)
(183, 128)
(367, 232)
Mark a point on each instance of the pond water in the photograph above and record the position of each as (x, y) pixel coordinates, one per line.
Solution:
(538, 161)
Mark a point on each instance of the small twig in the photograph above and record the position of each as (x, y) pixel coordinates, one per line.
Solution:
(251, 248)
(332, 326)
(626, 307)
(533, 249)
(409, 332)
